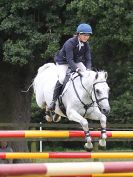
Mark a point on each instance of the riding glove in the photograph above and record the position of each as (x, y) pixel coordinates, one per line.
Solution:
(79, 72)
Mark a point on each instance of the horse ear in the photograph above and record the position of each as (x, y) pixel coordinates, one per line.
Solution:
(106, 75)
(96, 76)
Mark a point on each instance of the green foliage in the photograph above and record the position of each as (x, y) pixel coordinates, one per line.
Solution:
(37, 114)
(17, 52)
(29, 30)
(122, 97)
(52, 48)
(122, 107)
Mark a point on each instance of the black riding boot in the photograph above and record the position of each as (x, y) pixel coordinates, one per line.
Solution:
(57, 92)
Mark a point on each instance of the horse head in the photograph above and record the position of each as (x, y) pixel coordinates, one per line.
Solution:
(101, 91)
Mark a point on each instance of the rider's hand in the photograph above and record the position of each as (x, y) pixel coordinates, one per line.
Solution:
(79, 72)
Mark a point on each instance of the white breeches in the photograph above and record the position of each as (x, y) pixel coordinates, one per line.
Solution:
(63, 68)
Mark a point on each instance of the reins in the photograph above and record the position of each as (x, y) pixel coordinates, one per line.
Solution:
(86, 106)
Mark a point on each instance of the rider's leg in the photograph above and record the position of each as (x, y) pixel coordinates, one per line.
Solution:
(57, 91)
(58, 87)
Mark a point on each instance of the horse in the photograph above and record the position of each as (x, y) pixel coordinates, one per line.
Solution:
(85, 97)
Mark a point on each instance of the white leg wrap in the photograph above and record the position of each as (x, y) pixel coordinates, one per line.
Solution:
(102, 142)
(104, 135)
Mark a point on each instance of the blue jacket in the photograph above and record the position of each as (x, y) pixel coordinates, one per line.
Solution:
(70, 54)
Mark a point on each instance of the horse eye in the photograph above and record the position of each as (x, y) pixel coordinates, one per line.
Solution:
(98, 91)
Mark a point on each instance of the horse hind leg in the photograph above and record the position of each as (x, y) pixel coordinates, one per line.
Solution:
(56, 118)
(51, 116)
(48, 116)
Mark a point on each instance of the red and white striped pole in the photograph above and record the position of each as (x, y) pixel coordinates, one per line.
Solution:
(65, 169)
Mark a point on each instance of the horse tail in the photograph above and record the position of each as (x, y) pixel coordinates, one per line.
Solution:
(44, 67)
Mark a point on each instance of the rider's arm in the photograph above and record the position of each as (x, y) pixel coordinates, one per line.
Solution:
(70, 56)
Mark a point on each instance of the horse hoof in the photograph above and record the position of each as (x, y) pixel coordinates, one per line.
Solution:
(56, 118)
(88, 149)
(102, 142)
(102, 147)
(48, 118)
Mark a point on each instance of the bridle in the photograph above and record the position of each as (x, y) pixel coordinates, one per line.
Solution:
(87, 106)
(98, 100)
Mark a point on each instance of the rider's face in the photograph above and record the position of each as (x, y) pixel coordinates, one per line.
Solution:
(84, 37)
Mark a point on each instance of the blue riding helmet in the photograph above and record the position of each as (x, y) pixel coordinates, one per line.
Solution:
(84, 28)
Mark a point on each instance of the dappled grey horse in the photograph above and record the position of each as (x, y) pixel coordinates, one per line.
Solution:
(83, 97)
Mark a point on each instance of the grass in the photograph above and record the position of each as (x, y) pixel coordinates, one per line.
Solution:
(78, 160)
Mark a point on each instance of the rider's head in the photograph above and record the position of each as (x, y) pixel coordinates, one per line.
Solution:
(84, 31)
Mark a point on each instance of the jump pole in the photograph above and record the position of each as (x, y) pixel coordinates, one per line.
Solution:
(66, 168)
(66, 155)
(60, 134)
(98, 175)
(91, 175)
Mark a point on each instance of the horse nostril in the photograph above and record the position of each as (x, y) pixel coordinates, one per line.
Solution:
(105, 111)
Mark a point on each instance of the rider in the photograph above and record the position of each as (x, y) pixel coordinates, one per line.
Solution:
(75, 54)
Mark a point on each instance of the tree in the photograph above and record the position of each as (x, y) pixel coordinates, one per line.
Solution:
(29, 37)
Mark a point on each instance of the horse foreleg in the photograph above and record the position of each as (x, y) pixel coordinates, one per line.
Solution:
(102, 141)
(88, 146)
(75, 116)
